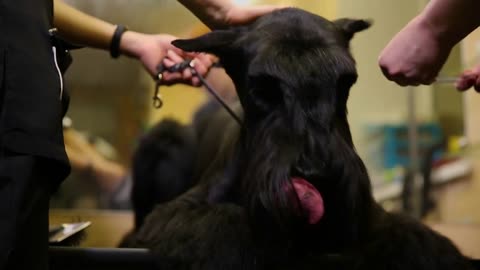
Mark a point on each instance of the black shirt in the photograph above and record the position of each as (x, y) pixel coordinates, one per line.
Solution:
(31, 94)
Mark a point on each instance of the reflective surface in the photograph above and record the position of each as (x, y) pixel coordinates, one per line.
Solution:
(111, 105)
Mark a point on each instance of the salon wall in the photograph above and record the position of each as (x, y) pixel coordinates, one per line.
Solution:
(471, 99)
(448, 105)
(325, 8)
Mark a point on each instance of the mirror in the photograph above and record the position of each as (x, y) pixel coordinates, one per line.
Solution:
(111, 105)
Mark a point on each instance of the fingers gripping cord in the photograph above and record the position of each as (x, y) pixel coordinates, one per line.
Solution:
(157, 98)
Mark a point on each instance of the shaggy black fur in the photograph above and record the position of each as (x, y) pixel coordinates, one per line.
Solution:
(162, 166)
(293, 72)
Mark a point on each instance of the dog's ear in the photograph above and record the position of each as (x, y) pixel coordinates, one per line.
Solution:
(352, 26)
(214, 42)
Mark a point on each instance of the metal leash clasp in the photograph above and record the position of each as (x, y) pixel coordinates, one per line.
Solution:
(179, 67)
(157, 97)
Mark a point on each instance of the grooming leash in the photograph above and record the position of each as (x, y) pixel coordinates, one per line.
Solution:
(157, 97)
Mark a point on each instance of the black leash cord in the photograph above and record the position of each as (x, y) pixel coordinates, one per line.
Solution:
(215, 94)
(181, 66)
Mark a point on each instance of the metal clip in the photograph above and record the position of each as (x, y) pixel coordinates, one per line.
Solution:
(157, 97)
(179, 67)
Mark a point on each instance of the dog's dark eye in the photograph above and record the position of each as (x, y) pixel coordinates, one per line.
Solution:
(265, 92)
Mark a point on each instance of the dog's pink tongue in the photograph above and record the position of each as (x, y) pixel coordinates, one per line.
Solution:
(310, 199)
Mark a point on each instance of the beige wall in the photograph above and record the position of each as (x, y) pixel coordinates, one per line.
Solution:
(179, 102)
(326, 8)
(447, 102)
(470, 57)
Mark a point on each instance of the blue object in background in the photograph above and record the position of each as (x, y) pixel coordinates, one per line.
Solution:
(395, 142)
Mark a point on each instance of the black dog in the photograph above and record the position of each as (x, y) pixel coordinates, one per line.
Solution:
(162, 166)
(289, 192)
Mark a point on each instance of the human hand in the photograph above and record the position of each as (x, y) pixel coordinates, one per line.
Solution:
(202, 63)
(148, 49)
(151, 50)
(415, 55)
(468, 79)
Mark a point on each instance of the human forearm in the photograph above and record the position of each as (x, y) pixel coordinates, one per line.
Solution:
(80, 28)
(83, 29)
(218, 14)
(416, 54)
(451, 20)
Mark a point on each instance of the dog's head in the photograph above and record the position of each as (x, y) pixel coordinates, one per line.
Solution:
(288, 55)
(292, 71)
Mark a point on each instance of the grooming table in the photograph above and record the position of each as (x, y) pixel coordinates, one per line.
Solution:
(476, 264)
(75, 258)
(97, 252)
(68, 258)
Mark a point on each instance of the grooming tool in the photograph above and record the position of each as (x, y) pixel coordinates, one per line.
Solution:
(446, 80)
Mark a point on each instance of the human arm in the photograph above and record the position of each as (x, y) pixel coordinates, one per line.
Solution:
(83, 29)
(84, 157)
(218, 14)
(417, 53)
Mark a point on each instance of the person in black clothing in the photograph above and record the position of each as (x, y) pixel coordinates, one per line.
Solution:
(32, 103)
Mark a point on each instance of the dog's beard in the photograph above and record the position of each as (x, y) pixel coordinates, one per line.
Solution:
(275, 180)
(286, 155)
